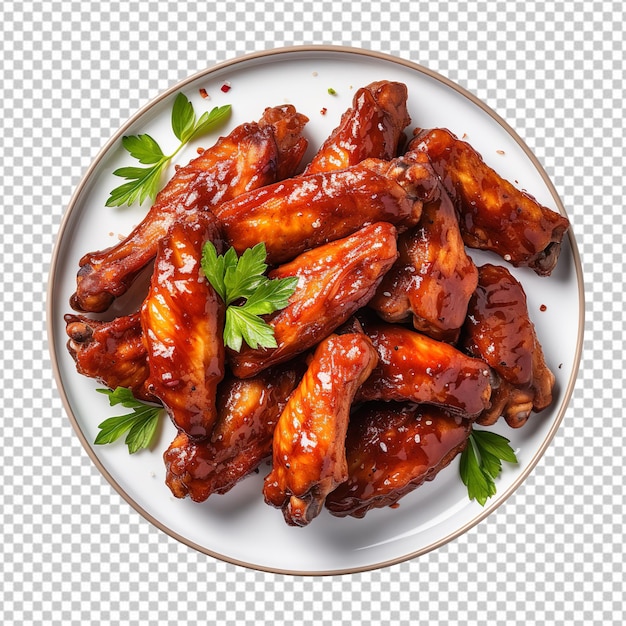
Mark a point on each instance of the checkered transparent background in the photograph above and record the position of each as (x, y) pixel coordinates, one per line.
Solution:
(73, 552)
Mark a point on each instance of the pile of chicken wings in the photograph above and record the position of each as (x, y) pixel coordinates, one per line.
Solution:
(394, 343)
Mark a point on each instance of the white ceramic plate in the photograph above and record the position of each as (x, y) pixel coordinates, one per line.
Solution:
(238, 527)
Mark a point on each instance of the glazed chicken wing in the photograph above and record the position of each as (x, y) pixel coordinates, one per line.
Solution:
(433, 279)
(111, 352)
(413, 367)
(372, 127)
(298, 214)
(251, 156)
(334, 281)
(247, 414)
(494, 215)
(309, 456)
(182, 320)
(391, 450)
(499, 331)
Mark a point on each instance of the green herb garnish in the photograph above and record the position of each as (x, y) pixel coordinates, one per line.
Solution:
(242, 279)
(145, 182)
(140, 424)
(481, 463)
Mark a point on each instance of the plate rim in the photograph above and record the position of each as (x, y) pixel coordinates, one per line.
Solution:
(247, 58)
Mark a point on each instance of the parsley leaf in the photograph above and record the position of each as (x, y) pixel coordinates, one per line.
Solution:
(145, 182)
(241, 325)
(481, 463)
(247, 293)
(271, 295)
(143, 148)
(243, 276)
(141, 424)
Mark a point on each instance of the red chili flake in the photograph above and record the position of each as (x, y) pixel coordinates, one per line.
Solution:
(543, 307)
(225, 87)
(204, 93)
(464, 136)
(200, 150)
(395, 505)
(323, 110)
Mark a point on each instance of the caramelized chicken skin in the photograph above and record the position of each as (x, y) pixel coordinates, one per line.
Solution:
(372, 127)
(433, 279)
(247, 412)
(252, 155)
(334, 281)
(309, 456)
(391, 450)
(284, 124)
(493, 214)
(182, 319)
(499, 331)
(112, 352)
(295, 215)
(414, 367)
